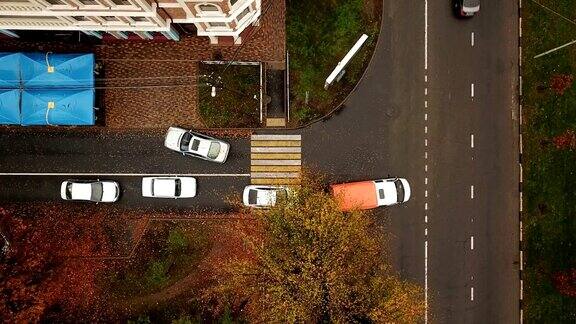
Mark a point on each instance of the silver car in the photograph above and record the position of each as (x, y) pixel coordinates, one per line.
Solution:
(196, 145)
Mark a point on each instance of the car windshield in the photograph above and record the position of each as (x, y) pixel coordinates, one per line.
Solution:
(69, 190)
(252, 195)
(471, 3)
(214, 150)
(178, 188)
(96, 191)
(400, 190)
(185, 141)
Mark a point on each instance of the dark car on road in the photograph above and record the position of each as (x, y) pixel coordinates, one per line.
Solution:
(466, 8)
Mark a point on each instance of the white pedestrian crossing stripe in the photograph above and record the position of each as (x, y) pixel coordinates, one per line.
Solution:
(276, 159)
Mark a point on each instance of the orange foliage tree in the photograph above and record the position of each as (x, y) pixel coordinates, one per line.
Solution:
(311, 262)
(37, 279)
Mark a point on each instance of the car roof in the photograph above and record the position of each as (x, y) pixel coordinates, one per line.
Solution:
(165, 187)
(361, 195)
(82, 191)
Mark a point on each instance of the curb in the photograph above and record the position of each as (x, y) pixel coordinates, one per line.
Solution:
(521, 171)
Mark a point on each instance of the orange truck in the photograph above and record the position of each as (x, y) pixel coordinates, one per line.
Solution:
(371, 194)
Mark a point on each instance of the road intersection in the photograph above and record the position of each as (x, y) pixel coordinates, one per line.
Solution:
(436, 106)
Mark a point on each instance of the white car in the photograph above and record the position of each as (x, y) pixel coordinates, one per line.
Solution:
(263, 196)
(197, 145)
(169, 187)
(90, 190)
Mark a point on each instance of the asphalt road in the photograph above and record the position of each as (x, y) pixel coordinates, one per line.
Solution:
(412, 116)
(417, 115)
(33, 165)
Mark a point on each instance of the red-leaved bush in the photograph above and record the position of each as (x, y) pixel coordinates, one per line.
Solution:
(565, 282)
(559, 83)
(565, 141)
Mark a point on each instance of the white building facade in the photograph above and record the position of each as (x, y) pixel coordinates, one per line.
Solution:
(215, 19)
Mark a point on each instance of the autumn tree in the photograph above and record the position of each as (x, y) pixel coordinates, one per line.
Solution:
(313, 263)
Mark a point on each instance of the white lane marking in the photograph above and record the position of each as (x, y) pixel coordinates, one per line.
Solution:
(426, 116)
(426, 78)
(472, 39)
(426, 155)
(426, 180)
(472, 140)
(426, 219)
(426, 231)
(472, 242)
(426, 168)
(521, 289)
(426, 62)
(257, 149)
(426, 193)
(425, 206)
(127, 174)
(472, 293)
(472, 90)
(425, 129)
(426, 280)
(471, 192)
(425, 91)
(425, 142)
(425, 103)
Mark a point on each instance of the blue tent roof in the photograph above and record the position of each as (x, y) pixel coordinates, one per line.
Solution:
(10, 107)
(58, 107)
(65, 71)
(9, 70)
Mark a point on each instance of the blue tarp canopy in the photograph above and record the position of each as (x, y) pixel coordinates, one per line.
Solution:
(63, 71)
(10, 107)
(58, 107)
(9, 70)
(46, 89)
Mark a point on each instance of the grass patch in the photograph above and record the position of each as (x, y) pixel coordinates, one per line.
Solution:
(550, 177)
(319, 34)
(168, 253)
(237, 100)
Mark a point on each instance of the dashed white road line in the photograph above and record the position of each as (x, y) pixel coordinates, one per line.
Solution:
(472, 140)
(472, 39)
(126, 174)
(472, 293)
(472, 242)
(472, 90)
(472, 192)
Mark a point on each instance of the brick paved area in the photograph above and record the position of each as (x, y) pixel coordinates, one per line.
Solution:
(152, 84)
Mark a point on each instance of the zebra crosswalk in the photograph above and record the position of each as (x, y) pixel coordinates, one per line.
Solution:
(275, 159)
